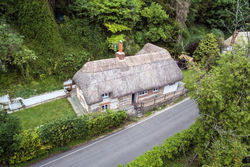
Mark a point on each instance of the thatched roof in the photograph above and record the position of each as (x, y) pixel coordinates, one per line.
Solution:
(186, 57)
(151, 67)
(240, 38)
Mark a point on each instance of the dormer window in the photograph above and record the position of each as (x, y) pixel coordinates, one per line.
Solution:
(105, 95)
(141, 93)
(155, 90)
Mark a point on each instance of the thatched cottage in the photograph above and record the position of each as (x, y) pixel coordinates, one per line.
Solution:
(240, 38)
(147, 78)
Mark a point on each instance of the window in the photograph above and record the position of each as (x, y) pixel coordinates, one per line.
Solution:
(105, 107)
(141, 93)
(155, 90)
(105, 95)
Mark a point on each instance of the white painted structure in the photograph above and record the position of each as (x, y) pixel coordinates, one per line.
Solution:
(170, 88)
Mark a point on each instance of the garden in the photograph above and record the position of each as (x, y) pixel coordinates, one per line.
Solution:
(44, 113)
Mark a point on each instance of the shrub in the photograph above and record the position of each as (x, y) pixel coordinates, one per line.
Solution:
(61, 132)
(9, 128)
(170, 149)
(99, 123)
(30, 146)
(179, 143)
(32, 143)
(151, 158)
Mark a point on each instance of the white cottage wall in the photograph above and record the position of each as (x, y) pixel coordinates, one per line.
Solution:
(170, 88)
(81, 98)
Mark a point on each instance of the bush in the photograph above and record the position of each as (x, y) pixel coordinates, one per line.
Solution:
(32, 143)
(30, 146)
(99, 123)
(61, 132)
(170, 149)
(9, 128)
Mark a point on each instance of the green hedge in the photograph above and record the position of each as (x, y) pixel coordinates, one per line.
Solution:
(61, 132)
(173, 147)
(99, 123)
(29, 146)
(36, 142)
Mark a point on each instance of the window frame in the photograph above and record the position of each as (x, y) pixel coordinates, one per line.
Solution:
(105, 95)
(155, 90)
(105, 107)
(144, 92)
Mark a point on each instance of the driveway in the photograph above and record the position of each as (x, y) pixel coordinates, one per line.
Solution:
(127, 144)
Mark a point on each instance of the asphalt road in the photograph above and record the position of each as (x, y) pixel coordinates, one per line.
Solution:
(125, 145)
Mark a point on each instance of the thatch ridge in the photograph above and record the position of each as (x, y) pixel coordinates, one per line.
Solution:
(149, 68)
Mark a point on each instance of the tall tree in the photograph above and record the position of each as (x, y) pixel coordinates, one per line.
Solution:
(223, 96)
(224, 15)
(207, 51)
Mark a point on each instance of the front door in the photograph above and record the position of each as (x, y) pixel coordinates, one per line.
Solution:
(134, 98)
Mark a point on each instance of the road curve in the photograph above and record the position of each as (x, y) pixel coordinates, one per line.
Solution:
(125, 145)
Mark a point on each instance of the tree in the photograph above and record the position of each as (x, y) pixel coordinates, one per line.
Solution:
(226, 151)
(223, 95)
(223, 14)
(9, 128)
(207, 52)
(109, 11)
(13, 52)
(156, 23)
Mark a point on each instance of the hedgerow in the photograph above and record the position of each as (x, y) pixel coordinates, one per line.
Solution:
(29, 147)
(33, 143)
(173, 147)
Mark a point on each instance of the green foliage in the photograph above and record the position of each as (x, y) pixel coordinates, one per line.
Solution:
(173, 147)
(109, 12)
(8, 9)
(220, 14)
(148, 159)
(13, 52)
(9, 128)
(207, 52)
(36, 22)
(72, 61)
(29, 147)
(32, 143)
(114, 28)
(61, 132)
(226, 151)
(15, 86)
(156, 18)
(114, 39)
(99, 123)
(71, 31)
(223, 98)
(94, 38)
(36, 116)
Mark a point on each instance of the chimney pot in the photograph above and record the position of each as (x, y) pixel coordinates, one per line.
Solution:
(120, 46)
(120, 54)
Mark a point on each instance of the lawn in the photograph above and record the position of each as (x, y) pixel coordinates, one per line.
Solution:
(38, 115)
